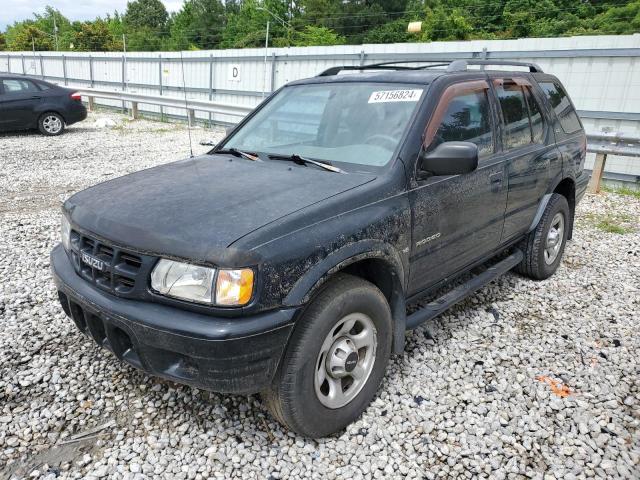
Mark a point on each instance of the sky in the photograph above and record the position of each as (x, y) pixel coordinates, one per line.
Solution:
(12, 10)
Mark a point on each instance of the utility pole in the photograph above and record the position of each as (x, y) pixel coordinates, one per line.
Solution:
(266, 46)
(55, 31)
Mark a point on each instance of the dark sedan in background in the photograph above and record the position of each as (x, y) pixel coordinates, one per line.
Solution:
(29, 103)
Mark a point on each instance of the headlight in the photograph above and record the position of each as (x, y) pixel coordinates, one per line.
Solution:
(195, 283)
(65, 232)
(234, 287)
(182, 280)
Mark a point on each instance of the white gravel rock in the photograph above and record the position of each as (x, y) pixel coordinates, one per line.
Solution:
(476, 400)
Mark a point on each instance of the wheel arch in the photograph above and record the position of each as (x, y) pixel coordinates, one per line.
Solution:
(44, 111)
(565, 187)
(374, 261)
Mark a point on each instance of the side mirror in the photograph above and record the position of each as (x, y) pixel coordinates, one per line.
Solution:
(450, 158)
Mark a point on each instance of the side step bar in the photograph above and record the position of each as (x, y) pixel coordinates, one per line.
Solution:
(439, 305)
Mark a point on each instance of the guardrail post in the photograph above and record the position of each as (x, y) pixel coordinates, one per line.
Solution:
(92, 104)
(596, 174)
(41, 67)
(24, 70)
(362, 57)
(191, 116)
(134, 110)
(8, 63)
(64, 69)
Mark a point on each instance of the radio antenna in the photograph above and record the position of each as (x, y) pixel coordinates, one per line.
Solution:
(186, 104)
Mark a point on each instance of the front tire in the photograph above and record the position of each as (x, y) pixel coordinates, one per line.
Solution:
(335, 360)
(51, 124)
(544, 246)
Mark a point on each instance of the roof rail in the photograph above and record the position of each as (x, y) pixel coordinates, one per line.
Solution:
(452, 65)
(385, 66)
(461, 65)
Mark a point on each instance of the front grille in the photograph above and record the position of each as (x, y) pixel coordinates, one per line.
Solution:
(110, 268)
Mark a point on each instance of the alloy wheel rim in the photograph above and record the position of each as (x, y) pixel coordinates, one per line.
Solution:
(345, 360)
(555, 237)
(52, 124)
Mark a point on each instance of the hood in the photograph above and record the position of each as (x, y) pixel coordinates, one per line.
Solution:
(195, 208)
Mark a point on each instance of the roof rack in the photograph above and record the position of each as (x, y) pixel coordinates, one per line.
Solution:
(461, 65)
(452, 66)
(386, 66)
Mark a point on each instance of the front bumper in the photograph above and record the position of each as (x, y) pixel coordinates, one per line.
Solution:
(232, 355)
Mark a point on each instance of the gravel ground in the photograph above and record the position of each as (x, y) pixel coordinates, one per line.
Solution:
(524, 379)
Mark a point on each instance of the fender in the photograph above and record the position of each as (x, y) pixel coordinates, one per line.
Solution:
(308, 284)
(544, 201)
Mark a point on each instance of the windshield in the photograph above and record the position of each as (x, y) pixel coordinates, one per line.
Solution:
(358, 123)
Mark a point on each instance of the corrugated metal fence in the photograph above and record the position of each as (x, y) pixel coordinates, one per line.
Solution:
(602, 73)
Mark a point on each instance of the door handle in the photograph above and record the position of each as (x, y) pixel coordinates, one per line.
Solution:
(495, 179)
(36, 96)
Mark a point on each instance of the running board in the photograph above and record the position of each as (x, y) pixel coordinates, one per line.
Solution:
(439, 305)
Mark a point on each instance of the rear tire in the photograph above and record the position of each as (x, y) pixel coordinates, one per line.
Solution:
(335, 360)
(544, 246)
(51, 124)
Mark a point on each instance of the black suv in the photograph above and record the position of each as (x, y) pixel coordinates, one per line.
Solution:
(283, 261)
(29, 103)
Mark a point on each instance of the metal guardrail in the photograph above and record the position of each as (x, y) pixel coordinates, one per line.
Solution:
(602, 144)
(190, 105)
(609, 144)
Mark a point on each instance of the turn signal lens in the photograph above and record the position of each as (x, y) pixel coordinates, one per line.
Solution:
(234, 287)
(65, 232)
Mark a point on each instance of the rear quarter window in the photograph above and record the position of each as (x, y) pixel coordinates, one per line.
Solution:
(561, 104)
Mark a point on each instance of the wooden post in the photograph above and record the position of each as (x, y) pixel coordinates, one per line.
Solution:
(92, 105)
(134, 110)
(596, 174)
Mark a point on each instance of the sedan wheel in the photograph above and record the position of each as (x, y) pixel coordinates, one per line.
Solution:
(51, 124)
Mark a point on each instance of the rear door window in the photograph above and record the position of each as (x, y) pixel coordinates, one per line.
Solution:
(537, 120)
(16, 86)
(515, 113)
(561, 104)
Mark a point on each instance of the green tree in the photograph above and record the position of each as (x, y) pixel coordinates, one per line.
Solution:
(95, 37)
(311, 36)
(146, 14)
(3, 42)
(25, 36)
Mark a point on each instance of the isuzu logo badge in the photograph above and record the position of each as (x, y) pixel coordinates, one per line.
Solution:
(92, 261)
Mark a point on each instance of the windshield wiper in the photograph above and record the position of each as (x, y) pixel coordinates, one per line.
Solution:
(298, 159)
(239, 153)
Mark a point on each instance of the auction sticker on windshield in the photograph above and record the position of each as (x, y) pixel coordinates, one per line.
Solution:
(395, 96)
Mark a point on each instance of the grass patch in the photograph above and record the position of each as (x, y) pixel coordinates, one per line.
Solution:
(611, 227)
(632, 192)
(618, 224)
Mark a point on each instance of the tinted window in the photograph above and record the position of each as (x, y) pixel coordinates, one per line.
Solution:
(467, 119)
(559, 100)
(12, 85)
(537, 121)
(515, 114)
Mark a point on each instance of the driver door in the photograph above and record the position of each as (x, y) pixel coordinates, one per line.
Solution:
(458, 219)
